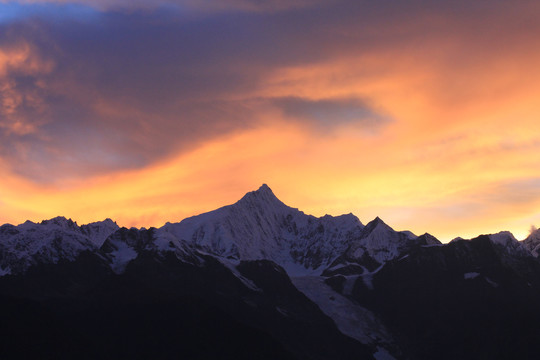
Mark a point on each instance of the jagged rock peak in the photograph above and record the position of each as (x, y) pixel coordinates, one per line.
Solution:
(429, 239)
(107, 221)
(376, 223)
(263, 195)
(503, 238)
(532, 242)
(60, 221)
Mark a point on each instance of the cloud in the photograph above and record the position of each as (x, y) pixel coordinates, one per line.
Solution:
(100, 91)
(199, 6)
(329, 112)
(125, 90)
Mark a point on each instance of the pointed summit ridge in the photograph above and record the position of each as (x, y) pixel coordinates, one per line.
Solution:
(260, 226)
(263, 195)
(60, 221)
(376, 224)
(264, 187)
(98, 231)
(429, 239)
(378, 221)
(380, 243)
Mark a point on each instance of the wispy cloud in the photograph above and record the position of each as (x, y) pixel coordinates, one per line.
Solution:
(328, 113)
(447, 91)
(197, 6)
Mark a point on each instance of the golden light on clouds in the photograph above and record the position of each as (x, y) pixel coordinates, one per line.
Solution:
(426, 120)
(304, 172)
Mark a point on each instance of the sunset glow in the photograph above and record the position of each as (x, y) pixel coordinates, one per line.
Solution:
(148, 112)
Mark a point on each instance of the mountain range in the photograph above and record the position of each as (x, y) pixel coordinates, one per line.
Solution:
(261, 280)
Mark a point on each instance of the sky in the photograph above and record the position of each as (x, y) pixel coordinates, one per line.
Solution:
(421, 112)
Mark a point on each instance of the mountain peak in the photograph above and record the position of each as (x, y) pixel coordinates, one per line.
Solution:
(106, 222)
(376, 223)
(503, 237)
(263, 195)
(60, 221)
(265, 191)
(532, 242)
(264, 188)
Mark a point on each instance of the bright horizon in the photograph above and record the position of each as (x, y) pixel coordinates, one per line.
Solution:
(151, 112)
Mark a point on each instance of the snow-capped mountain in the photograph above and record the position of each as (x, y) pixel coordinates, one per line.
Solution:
(380, 242)
(505, 242)
(460, 296)
(510, 252)
(260, 226)
(99, 231)
(298, 286)
(376, 244)
(48, 242)
(532, 242)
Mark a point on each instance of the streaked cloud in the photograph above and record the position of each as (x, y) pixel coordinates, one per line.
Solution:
(199, 6)
(328, 113)
(172, 86)
(422, 113)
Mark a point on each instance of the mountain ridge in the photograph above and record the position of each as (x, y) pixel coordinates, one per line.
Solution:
(258, 226)
(263, 267)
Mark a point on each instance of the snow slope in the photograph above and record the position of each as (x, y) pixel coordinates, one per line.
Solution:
(532, 243)
(260, 226)
(377, 244)
(47, 242)
(351, 319)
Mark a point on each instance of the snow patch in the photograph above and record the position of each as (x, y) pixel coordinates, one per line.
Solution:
(357, 254)
(282, 311)
(470, 275)
(231, 265)
(121, 256)
(6, 271)
(491, 282)
(351, 319)
(403, 257)
(367, 277)
(382, 354)
(342, 265)
(349, 284)
(295, 269)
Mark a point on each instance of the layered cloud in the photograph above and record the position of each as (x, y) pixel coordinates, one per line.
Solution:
(120, 90)
(406, 108)
(198, 6)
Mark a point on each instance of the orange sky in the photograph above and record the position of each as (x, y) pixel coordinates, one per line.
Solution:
(426, 119)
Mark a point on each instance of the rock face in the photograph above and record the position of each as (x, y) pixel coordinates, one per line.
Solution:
(357, 292)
